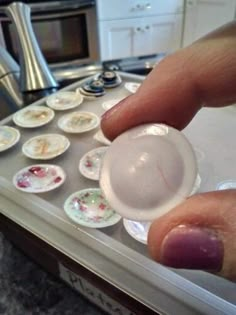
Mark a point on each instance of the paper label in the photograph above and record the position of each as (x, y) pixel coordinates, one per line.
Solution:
(92, 293)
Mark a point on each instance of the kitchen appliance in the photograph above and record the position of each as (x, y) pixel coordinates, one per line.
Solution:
(65, 30)
(32, 80)
(106, 265)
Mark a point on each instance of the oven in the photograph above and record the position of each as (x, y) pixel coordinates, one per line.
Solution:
(66, 32)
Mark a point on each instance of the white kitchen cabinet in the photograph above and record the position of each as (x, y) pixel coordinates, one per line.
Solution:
(203, 16)
(122, 9)
(140, 36)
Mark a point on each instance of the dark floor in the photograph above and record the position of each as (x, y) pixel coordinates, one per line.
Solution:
(26, 289)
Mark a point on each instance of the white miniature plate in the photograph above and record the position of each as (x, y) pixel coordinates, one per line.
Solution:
(226, 184)
(45, 147)
(88, 207)
(110, 103)
(78, 122)
(39, 178)
(99, 136)
(132, 87)
(90, 163)
(64, 100)
(137, 230)
(8, 137)
(147, 171)
(33, 116)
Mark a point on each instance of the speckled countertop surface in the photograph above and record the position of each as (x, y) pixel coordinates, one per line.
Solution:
(26, 289)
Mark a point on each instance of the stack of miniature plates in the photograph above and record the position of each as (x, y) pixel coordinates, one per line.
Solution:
(93, 88)
(110, 78)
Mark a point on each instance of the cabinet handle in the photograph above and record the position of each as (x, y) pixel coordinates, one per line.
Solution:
(147, 27)
(138, 29)
(139, 6)
(190, 3)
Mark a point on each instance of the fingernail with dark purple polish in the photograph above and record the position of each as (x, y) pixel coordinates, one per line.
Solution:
(191, 247)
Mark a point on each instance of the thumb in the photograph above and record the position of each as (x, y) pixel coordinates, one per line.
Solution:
(198, 234)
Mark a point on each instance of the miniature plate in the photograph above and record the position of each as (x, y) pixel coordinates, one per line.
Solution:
(33, 116)
(110, 103)
(226, 184)
(90, 163)
(156, 170)
(64, 100)
(78, 122)
(8, 137)
(132, 87)
(88, 207)
(45, 147)
(137, 230)
(99, 136)
(39, 178)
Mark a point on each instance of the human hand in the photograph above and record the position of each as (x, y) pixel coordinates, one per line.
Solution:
(201, 232)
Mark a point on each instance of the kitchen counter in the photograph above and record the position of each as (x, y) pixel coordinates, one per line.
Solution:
(27, 289)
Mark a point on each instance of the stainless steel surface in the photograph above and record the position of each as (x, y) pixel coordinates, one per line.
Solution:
(58, 5)
(111, 252)
(10, 95)
(35, 73)
(72, 73)
(7, 63)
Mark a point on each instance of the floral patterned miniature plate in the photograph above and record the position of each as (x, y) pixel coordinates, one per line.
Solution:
(110, 103)
(137, 230)
(64, 100)
(132, 87)
(90, 163)
(89, 208)
(78, 122)
(99, 136)
(46, 146)
(8, 137)
(33, 116)
(39, 178)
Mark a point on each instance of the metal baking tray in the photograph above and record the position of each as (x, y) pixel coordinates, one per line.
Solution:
(110, 252)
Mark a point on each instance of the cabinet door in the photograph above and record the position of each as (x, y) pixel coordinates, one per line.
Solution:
(116, 39)
(165, 33)
(203, 16)
(139, 37)
(126, 9)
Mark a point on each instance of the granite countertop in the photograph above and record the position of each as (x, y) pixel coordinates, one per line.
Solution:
(26, 289)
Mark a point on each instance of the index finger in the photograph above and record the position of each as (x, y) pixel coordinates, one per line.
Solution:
(202, 74)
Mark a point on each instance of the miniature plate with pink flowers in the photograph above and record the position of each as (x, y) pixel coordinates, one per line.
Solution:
(39, 178)
(90, 163)
(88, 207)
